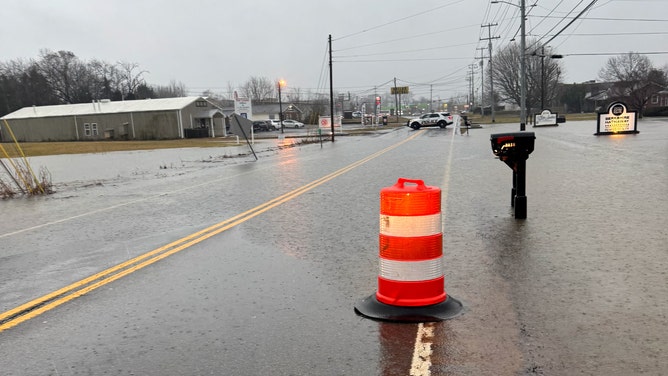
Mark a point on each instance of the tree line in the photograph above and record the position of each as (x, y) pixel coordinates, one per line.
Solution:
(60, 77)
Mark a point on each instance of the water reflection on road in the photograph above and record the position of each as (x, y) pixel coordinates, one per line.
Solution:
(578, 287)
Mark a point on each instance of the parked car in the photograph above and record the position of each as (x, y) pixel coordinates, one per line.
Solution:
(275, 123)
(292, 124)
(261, 125)
(441, 119)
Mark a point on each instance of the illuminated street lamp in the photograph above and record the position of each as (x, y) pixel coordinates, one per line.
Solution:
(281, 83)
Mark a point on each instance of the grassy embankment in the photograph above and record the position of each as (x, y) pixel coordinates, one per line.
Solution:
(34, 149)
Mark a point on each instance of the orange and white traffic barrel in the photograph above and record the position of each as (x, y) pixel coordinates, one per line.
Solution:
(411, 282)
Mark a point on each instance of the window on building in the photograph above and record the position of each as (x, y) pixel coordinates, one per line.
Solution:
(87, 129)
(94, 129)
(200, 103)
(655, 99)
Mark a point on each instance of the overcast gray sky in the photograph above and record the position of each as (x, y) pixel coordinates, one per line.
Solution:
(207, 44)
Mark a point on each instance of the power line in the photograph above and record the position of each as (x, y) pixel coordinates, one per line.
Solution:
(613, 34)
(564, 18)
(544, 18)
(616, 19)
(570, 23)
(406, 38)
(407, 51)
(399, 60)
(615, 53)
(398, 20)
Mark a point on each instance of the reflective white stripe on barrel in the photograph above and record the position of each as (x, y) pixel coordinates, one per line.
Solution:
(410, 226)
(411, 270)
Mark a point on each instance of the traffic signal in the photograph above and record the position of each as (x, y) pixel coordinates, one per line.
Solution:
(377, 101)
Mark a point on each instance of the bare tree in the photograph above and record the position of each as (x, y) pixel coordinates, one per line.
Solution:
(635, 79)
(295, 95)
(66, 75)
(631, 67)
(208, 93)
(130, 78)
(544, 77)
(174, 89)
(106, 82)
(22, 85)
(506, 72)
(259, 88)
(229, 93)
(61, 77)
(540, 71)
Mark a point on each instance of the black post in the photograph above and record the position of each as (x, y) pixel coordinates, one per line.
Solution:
(542, 79)
(520, 197)
(280, 106)
(513, 191)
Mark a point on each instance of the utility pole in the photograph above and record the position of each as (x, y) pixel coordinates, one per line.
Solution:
(542, 78)
(542, 72)
(523, 67)
(396, 101)
(431, 98)
(482, 81)
(472, 97)
(491, 71)
(331, 89)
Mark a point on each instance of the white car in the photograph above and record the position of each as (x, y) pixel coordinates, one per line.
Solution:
(441, 119)
(276, 124)
(292, 124)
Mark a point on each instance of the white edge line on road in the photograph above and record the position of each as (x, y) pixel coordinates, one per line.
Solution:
(421, 363)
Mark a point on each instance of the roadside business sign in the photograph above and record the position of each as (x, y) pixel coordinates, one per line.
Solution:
(546, 117)
(242, 106)
(617, 120)
(324, 122)
(399, 90)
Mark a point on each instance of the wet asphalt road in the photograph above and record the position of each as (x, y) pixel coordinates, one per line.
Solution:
(578, 288)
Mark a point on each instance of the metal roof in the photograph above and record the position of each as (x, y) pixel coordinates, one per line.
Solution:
(102, 107)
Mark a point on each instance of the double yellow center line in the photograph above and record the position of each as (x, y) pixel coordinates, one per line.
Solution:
(54, 299)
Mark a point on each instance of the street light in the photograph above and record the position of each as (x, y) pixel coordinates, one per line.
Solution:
(523, 73)
(281, 83)
(542, 72)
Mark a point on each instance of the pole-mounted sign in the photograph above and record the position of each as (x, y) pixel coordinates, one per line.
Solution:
(399, 90)
(617, 120)
(545, 118)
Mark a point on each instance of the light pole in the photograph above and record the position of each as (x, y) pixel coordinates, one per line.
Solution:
(523, 73)
(542, 72)
(523, 67)
(281, 83)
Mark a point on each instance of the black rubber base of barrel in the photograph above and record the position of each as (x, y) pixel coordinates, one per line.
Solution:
(371, 308)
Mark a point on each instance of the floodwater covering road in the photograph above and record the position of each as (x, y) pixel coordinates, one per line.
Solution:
(215, 265)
